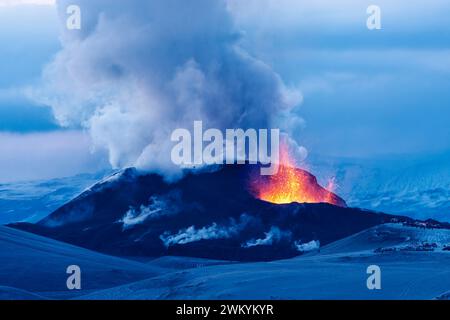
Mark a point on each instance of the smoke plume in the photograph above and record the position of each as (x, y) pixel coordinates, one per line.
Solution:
(137, 70)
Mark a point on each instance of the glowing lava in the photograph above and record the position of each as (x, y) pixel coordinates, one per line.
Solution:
(291, 184)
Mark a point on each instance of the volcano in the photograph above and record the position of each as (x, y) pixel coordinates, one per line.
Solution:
(290, 185)
(218, 213)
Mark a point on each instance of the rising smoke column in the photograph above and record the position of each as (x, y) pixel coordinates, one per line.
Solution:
(137, 70)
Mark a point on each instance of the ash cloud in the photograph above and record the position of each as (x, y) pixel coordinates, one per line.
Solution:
(137, 70)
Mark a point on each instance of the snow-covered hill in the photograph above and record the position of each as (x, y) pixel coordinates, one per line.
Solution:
(337, 272)
(33, 266)
(391, 236)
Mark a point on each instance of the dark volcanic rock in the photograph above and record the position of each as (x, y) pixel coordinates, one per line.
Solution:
(207, 214)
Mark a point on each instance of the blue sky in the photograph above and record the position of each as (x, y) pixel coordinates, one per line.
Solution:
(29, 38)
(366, 93)
(32, 144)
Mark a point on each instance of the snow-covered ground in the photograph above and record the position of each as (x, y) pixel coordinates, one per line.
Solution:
(33, 267)
(337, 272)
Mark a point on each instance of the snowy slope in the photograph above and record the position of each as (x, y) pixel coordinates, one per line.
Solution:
(8, 293)
(31, 265)
(338, 272)
(389, 236)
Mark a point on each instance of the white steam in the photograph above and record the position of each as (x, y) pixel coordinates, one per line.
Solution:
(307, 247)
(213, 231)
(273, 236)
(137, 70)
(159, 206)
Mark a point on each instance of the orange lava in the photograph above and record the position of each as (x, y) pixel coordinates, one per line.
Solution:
(291, 184)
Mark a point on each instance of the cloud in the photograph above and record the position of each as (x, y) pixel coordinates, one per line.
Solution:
(366, 93)
(331, 16)
(273, 236)
(138, 70)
